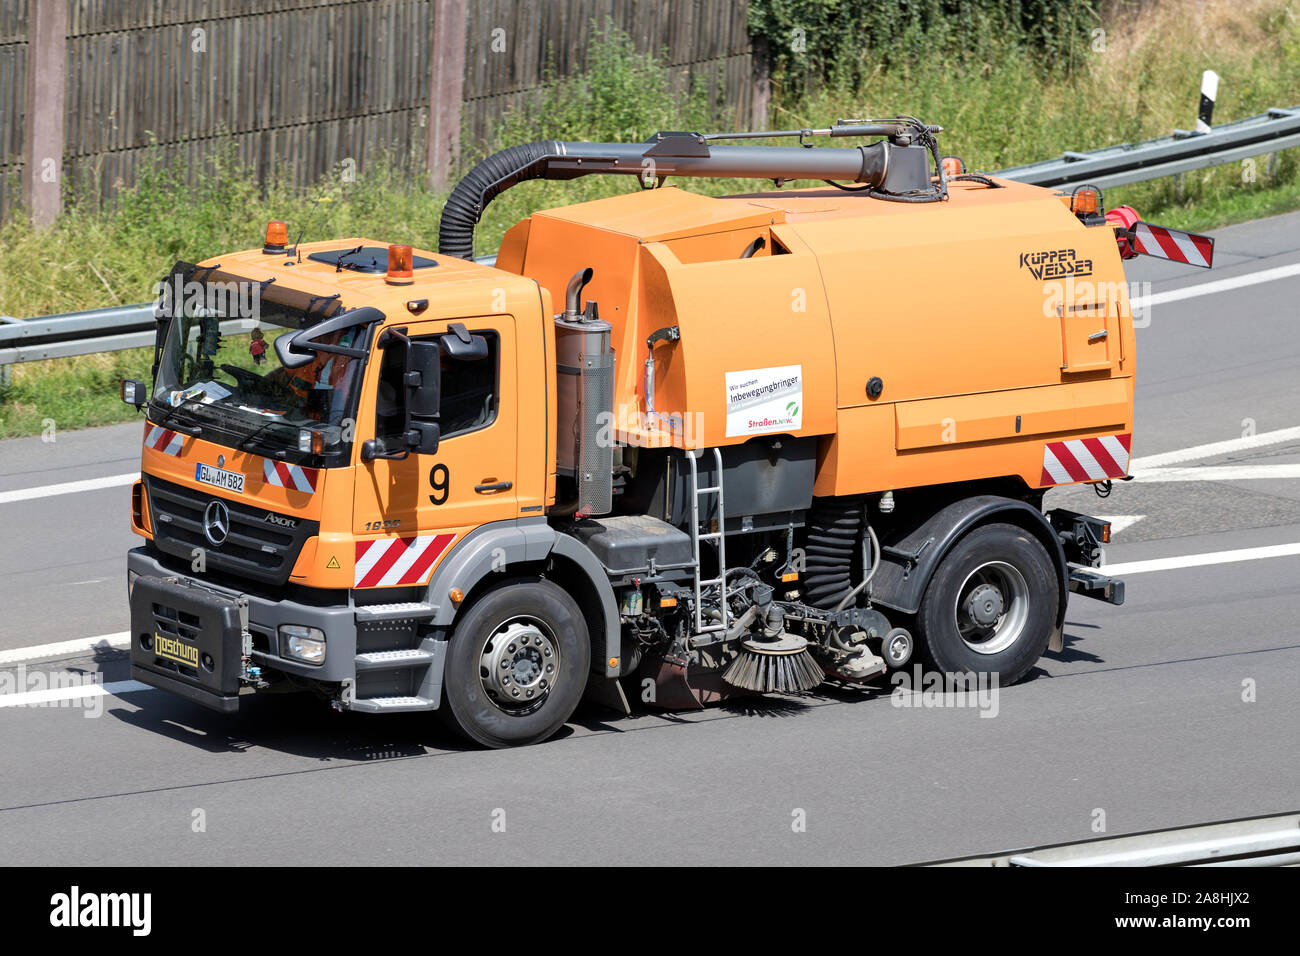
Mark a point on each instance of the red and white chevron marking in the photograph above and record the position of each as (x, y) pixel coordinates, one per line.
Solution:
(1085, 459)
(1173, 244)
(388, 562)
(162, 439)
(293, 477)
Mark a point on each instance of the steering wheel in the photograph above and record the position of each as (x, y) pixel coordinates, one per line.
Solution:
(245, 378)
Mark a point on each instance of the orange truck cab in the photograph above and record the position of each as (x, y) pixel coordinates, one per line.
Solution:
(712, 446)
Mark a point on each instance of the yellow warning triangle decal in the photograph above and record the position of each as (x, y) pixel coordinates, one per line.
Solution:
(334, 562)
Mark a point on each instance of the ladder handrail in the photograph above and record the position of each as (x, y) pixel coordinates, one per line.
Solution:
(720, 534)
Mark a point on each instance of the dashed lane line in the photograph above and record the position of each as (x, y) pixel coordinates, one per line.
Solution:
(67, 488)
(1218, 285)
(31, 698)
(1213, 449)
(1203, 560)
(47, 652)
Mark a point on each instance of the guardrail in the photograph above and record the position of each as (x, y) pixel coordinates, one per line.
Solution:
(76, 333)
(95, 330)
(130, 326)
(1180, 152)
(1262, 841)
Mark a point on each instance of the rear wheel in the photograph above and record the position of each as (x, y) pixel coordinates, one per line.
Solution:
(517, 665)
(991, 604)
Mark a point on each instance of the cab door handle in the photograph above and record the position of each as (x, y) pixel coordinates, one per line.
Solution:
(493, 487)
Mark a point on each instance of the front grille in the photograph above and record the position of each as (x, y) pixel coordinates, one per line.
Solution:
(254, 548)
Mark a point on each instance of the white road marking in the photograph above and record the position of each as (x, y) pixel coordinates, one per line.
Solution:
(83, 692)
(1119, 522)
(1218, 285)
(1218, 473)
(1216, 448)
(118, 641)
(67, 488)
(1202, 560)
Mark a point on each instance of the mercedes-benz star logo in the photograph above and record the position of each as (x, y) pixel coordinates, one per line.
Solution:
(216, 522)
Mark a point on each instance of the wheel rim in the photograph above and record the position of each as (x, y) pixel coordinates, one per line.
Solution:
(992, 607)
(518, 665)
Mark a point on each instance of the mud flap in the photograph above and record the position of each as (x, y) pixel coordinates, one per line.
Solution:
(607, 692)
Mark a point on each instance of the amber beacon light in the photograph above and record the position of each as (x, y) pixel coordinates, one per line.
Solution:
(400, 269)
(277, 237)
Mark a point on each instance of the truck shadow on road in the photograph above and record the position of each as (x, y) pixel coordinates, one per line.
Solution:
(298, 725)
(302, 725)
(1070, 654)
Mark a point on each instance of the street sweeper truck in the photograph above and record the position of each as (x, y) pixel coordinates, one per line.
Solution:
(663, 447)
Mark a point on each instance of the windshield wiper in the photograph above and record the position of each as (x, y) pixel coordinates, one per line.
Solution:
(245, 443)
(173, 410)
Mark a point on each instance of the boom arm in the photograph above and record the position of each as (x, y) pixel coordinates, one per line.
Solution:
(894, 168)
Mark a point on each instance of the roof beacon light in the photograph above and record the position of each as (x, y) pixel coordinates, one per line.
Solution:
(1086, 201)
(277, 237)
(953, 166)
(400, 265)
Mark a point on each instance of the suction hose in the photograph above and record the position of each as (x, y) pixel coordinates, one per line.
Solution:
(484, 183)
(833, 528)
(666, 154)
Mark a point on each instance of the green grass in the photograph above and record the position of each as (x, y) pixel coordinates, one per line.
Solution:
(1000, 102)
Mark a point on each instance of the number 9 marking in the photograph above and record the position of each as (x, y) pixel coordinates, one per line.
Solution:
(440, 481)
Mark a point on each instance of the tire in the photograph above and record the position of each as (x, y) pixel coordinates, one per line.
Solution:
(531, 633)
(995, 568)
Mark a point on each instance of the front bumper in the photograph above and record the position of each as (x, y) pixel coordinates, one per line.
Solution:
(186, 635)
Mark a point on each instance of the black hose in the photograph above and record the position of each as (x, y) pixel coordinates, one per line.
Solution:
(484, 183)
(976, 178)
(833, 528)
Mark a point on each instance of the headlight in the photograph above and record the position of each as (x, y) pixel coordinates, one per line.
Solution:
(301, 643)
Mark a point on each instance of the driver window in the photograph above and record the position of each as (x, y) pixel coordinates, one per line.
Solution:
(469, 391)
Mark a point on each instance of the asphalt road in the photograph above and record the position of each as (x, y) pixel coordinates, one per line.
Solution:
(1178, 708)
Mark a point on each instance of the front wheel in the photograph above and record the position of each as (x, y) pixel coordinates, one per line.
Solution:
(991, 605)
(517, 665)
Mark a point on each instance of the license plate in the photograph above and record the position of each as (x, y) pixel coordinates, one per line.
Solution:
(229, 480)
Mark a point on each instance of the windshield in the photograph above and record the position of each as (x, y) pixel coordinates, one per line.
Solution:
(219, 370)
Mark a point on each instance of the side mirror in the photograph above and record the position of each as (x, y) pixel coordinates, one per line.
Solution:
(133, 392)
(285, 352)
(423, 380)
(460, 345)
(296, 349)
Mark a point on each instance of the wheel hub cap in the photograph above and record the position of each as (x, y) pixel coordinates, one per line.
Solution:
(984, 606)
(518, 664)
(992, 607)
